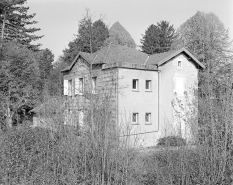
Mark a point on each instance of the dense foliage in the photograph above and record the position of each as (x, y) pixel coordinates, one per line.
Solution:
(19, 80)
(158, 38)
(206, 37)
(171, 141)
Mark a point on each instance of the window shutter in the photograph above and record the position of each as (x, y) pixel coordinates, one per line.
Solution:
(76, 86)
(81, 116)
(65, 87)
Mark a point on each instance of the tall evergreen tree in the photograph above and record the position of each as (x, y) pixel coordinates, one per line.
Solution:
(15, 22)
(119, 35)
(158, 38)
(90, 38)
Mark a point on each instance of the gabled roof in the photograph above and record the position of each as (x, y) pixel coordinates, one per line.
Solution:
(86, 56)
(112, 54)
(161, 58)
(123, 54)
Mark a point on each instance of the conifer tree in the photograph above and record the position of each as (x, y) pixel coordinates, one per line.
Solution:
(90, 38)
(15, 22)
(119, 35)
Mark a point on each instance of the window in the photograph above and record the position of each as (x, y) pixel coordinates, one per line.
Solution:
(81, 85)
(135, 84)
(148, 85)
(135, 118)
(148, 117)
(94, 85)
(179, 86)
(70, 87)
(179, 64)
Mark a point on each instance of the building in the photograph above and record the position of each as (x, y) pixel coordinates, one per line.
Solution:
(142, 87)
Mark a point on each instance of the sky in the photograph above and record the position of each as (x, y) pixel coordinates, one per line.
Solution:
(58, 19)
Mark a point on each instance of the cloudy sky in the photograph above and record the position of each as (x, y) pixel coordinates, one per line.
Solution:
(58, 19)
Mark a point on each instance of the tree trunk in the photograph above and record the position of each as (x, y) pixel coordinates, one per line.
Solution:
(3, 29)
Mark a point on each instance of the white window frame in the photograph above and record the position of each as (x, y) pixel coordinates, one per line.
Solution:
(149, 81)
(94, 82)
(137, 84)
(78, 86)
(136, 114)
(149, 121)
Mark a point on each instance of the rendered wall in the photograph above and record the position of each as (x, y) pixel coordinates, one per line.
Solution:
(174, 80)
(141, 102)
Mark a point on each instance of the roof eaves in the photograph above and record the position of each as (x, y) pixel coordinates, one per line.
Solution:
(178, 52)
(194, 58)
(75, 59)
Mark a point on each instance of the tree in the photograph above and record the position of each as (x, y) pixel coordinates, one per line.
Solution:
(119, 35)
(158, 38)
(45, 59)
(19, 80)
(14, 22)
(206, 37)
(55, 80)
(90, 38)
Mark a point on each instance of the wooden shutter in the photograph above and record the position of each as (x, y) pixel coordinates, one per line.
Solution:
(81, 116)
(76, 86)
(65, 87)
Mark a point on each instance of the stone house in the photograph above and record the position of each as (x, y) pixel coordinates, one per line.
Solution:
(142, 87)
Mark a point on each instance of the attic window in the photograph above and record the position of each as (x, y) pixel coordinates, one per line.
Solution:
(179, 64)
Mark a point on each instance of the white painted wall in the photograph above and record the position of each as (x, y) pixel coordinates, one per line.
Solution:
(140, 102)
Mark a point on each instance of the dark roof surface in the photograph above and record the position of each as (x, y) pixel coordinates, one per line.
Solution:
(117, 53)
(156, 58)
(160, 58)
(111, 54)
(123, 54)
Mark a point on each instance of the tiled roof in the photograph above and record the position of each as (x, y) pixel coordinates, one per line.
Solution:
(111, 54)
(123, 54)
(161, 58)
(117, 53)
(156, 58)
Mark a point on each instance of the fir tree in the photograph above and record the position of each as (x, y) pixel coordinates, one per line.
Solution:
(119, 35)
(158, 38)
(14, 21)
(90, 38)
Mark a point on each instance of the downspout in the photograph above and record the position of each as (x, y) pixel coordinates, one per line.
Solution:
(117, 98)
(158, 97)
